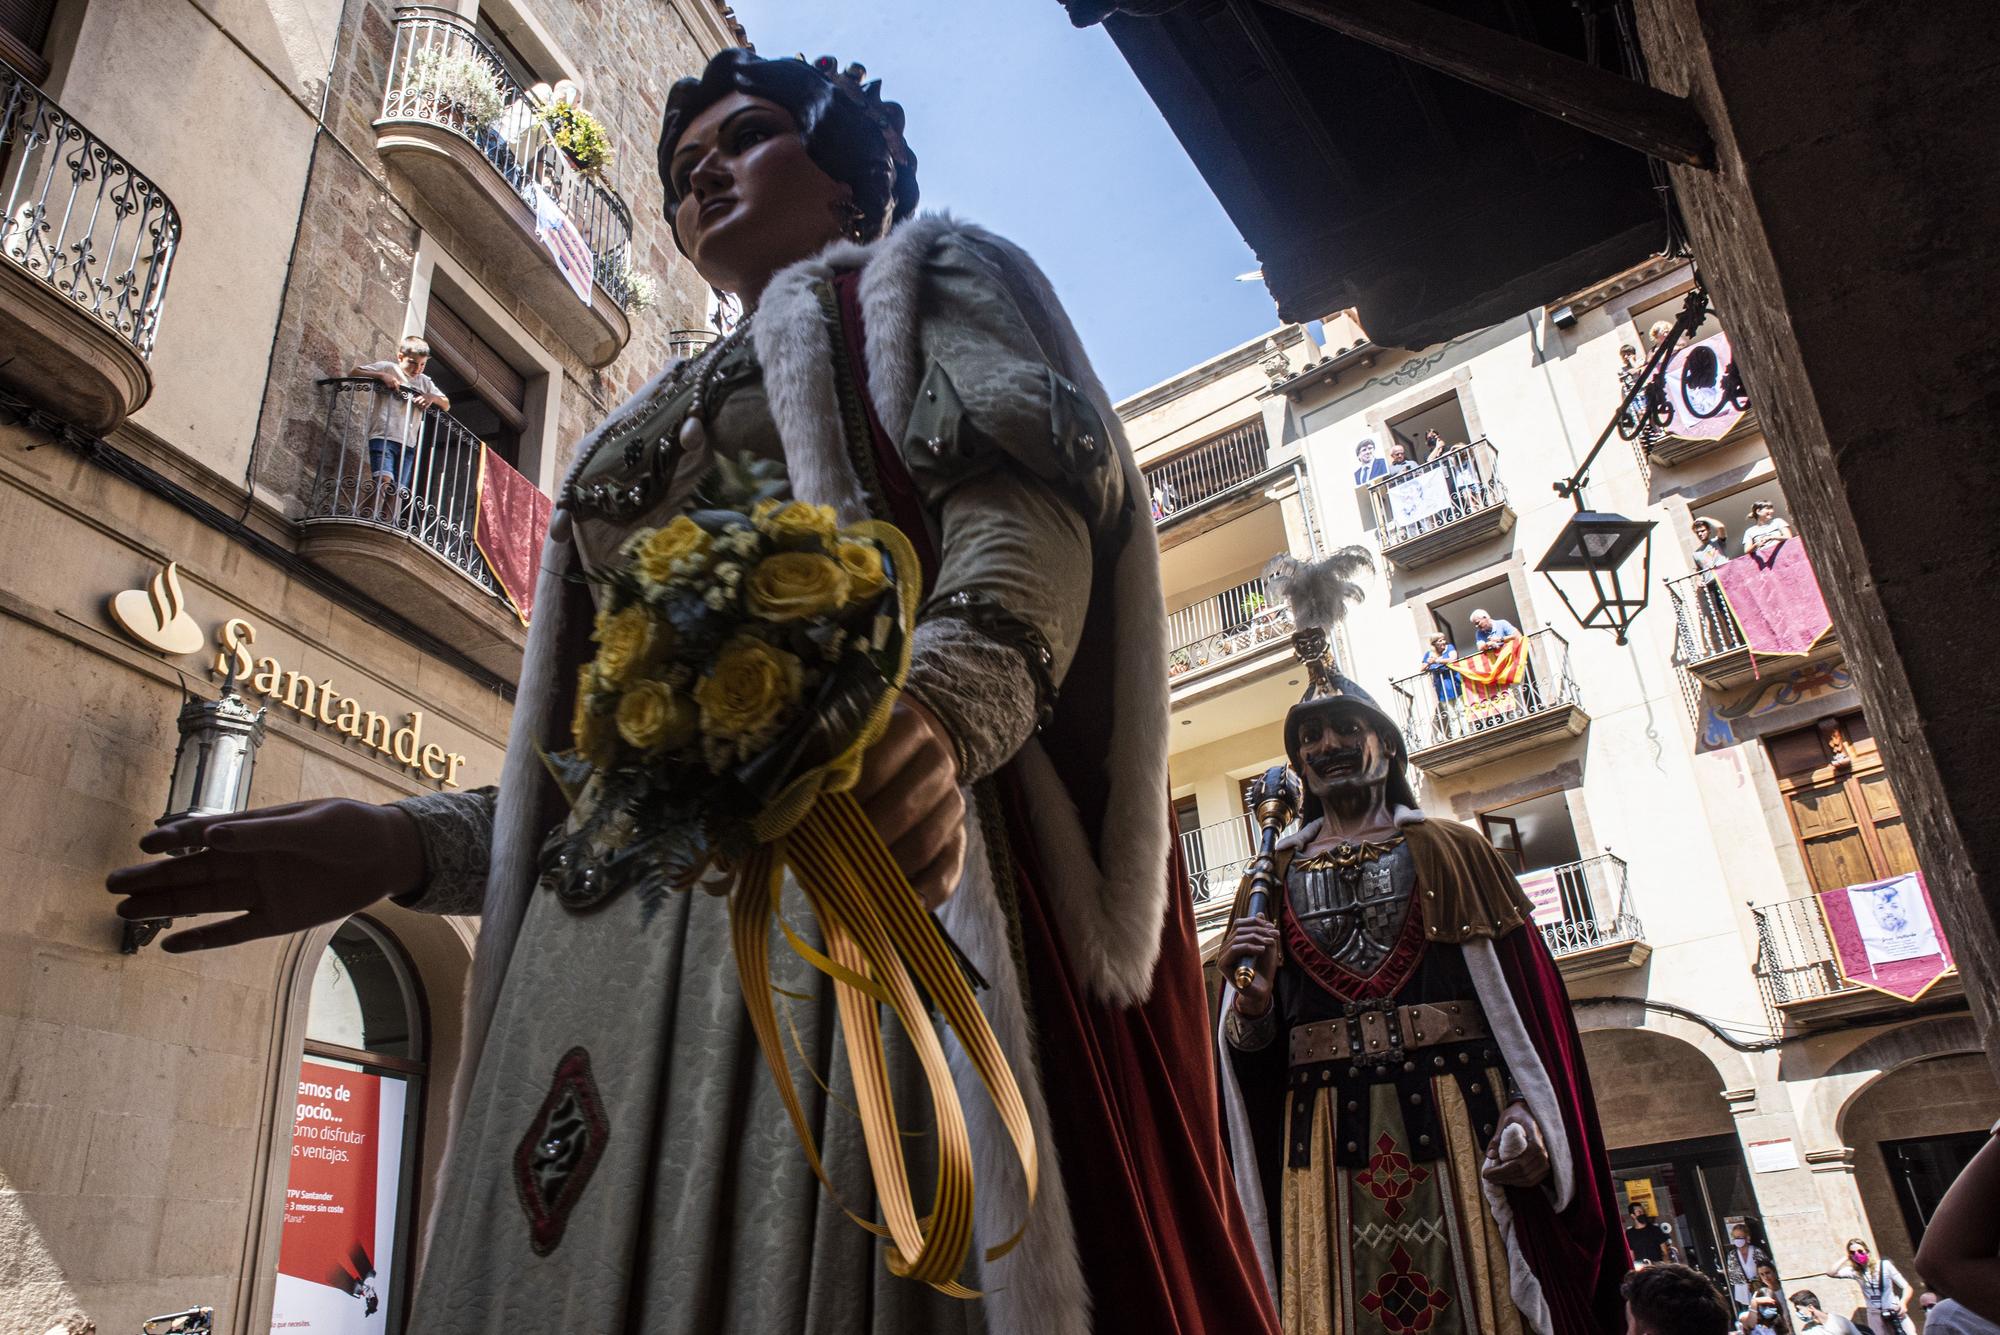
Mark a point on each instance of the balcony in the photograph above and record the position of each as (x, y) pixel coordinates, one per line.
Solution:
(1214, 858)
(1802, 982)
(1709, 641)
(1227, 636)
(458, 128)
(1453, 723)
(1448, 504)
(86, 243)
(409, 545)
(1584, 912)
(1208, 484)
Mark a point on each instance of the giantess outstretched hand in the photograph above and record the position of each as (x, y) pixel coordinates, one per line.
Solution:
(909, 791)
(283, 869)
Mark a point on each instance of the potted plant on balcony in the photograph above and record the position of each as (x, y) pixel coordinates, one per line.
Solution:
(580, 135)
(458, 86)
(640, 289)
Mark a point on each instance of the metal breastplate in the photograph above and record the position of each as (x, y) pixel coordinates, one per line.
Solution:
(1352, 904)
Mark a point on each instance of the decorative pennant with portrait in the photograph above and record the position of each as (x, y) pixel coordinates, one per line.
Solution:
(1885, 935)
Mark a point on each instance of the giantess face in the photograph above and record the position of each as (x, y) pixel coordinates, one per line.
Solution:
(1341, 754)
(752, 200)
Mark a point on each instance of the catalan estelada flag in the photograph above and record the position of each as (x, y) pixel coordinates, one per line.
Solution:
(1491, 676)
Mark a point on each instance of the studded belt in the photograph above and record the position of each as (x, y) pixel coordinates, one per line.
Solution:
(1381, 1034)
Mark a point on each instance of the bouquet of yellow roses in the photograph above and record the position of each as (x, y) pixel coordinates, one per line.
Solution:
(748, 654)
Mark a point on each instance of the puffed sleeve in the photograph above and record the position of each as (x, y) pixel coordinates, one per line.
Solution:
(1022, 478)
(457, 834)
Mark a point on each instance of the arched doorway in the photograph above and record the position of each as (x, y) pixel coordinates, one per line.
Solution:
(1913, 1129)
(1673, 1144)
(350, 1188)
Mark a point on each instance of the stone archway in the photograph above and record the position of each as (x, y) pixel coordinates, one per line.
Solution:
(1653, 1088)
(1915, 1083)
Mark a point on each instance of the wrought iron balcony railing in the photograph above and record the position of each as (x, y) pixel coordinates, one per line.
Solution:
(1452, 485)
(1593, 895)
(79, 218)
(1795, 959)
(443, 73)
(429, 494)
(1208, 469)
(1444, 706)
(1215, 857)
(1223, 627)
(1704, 627)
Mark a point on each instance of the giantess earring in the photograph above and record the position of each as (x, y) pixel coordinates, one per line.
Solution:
(850, 216)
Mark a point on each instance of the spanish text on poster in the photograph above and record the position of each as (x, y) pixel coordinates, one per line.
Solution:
(337, 1247)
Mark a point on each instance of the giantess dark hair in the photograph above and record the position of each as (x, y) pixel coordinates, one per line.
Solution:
(851, 134)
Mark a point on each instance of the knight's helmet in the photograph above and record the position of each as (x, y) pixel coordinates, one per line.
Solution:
(1319, 593)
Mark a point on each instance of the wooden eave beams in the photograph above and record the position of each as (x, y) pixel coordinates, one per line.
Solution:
(1622, 110)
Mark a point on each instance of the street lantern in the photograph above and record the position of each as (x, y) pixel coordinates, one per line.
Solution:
(1598, 545)
(212, 769)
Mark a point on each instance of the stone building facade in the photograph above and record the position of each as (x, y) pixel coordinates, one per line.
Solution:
(161, 406)
(1678, 805)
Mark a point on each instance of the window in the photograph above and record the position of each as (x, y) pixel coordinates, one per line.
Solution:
(343, 1257)
(1444, 416)
(1844, 817)
(24, 27)
(518, 66)
(488, 396)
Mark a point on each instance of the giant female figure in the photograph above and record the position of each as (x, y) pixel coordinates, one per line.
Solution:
(619, 1159)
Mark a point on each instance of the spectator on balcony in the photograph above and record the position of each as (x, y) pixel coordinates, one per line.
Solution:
(398, 420)
(1369, 467)
(1711, 542)
(1444, 682)
(1399, 459)
(1490, 632)
(1766, 528)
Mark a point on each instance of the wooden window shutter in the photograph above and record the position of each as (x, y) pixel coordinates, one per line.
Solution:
(24, 26)
(490, 374)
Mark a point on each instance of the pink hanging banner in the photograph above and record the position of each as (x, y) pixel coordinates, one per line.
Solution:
(1694, 386)
(509, 526)
(1885, 935)
(1775, 598)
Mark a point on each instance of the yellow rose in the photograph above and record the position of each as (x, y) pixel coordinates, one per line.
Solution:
(682, 540)
(625, 644)
(795, 523)
(653, 716)
(587, 727)
(863, 563)
(751, 685)
(786, 586)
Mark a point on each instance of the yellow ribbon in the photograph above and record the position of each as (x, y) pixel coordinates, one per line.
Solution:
(881, 946)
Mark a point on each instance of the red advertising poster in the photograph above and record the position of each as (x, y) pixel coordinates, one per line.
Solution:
(340, 1202)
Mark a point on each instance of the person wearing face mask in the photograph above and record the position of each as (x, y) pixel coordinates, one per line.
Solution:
(1741, 1262)
(1410, 1116)
(1883, 1288)
(1765, 1315)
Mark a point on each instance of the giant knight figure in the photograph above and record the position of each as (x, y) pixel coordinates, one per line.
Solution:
(1410, 1119)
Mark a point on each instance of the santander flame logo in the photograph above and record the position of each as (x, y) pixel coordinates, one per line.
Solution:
(156, 616)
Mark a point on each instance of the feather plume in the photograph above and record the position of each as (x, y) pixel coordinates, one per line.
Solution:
(1320, 592)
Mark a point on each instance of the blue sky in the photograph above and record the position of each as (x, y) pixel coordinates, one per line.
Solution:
(1040, 132)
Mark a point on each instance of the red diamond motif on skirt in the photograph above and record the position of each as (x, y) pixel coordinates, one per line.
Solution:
(556, 1157)
(1404, 1300)
(1390, 1176)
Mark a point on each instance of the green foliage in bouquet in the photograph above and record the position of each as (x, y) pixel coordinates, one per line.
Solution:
(738, 646)
(579, 134)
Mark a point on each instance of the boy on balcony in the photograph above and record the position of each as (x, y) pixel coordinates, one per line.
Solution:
(398, 418)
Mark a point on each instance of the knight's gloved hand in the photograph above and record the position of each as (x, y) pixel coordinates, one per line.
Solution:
(1256, 940)
(1516, 1156)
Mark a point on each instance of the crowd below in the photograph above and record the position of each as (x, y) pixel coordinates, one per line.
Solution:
(1959, 1257)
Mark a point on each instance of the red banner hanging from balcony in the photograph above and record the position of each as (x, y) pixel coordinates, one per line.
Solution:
(1885, 935)
(1774, 596)
(509, 526)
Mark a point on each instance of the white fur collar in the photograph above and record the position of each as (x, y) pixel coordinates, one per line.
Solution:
(1110, 905)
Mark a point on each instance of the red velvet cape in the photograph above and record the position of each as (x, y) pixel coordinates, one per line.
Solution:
(1131, 1091)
